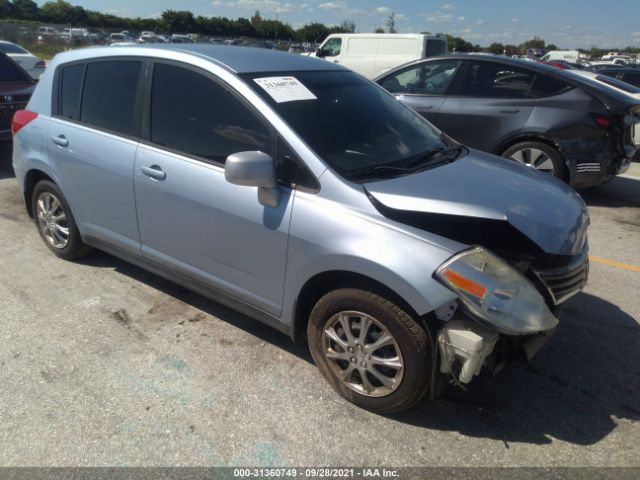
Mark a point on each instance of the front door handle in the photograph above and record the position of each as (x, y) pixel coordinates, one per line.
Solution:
(336, 61)
(154, 171)
(509, 111)
(60, 140)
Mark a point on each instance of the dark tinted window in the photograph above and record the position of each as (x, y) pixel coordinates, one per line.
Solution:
(193, 114)
(544, 86)
(431, 78)
(109, 95)
(435, 47)
(495, 80)
(614, 82)
(71, 83)
(11, 73)
(632, 78)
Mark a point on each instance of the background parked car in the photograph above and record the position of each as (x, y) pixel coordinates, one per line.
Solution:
(549, 119)
(33, 65)
(628, 75)
(16, 87)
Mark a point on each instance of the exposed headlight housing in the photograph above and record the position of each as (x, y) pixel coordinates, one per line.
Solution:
(496, 292)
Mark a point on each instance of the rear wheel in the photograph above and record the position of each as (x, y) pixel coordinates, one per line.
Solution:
(537, 155)
(370, 350)
(55, 222)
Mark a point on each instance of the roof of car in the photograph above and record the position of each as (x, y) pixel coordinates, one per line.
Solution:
(236, 59)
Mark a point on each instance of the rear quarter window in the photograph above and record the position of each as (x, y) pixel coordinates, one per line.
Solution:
(545, 86)
(70, 87)
(11, 73)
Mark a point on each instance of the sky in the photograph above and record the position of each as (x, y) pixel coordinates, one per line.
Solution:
(566, 23)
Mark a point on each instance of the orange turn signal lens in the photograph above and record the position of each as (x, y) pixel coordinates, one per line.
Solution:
(464, 284)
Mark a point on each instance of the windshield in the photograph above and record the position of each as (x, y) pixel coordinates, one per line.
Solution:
(352, 124)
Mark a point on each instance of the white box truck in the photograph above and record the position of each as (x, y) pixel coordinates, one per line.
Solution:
(373, 54)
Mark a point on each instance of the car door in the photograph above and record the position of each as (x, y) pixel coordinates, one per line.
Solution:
(93, 137)
(191, 219)
(489, 103)
(422, 86)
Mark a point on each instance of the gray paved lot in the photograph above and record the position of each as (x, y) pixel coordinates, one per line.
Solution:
(102, 363)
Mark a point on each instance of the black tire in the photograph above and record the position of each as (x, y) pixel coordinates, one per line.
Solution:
(559, 168)
(409, 336)
(74, 247)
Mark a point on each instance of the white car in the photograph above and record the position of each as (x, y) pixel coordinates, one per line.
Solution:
(33, 65)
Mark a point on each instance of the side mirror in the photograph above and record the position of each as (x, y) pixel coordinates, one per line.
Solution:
(254, 169)
(321, 53)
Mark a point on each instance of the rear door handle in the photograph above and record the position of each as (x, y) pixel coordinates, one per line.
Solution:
(60, 140)
(154, 171)
(509, 111)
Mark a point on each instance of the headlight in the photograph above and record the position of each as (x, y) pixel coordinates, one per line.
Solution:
(496, 292)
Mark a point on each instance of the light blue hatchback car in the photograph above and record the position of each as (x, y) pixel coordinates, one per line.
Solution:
(307, 197)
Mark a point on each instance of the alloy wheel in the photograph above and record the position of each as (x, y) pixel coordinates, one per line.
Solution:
(362, 353)
(535, 158)
(52, 220)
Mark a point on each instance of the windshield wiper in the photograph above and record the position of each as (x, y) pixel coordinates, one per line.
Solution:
(426, 158)
(430, 159)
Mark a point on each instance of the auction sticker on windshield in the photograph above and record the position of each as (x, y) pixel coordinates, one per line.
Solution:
(285, 89)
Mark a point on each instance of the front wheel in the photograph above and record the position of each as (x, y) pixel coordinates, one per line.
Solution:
(537, 155)
(370, 350)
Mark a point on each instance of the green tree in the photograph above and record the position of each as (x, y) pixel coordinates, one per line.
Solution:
(552, 46)
(6, 9)
(496, 48)
(535, 42)
(379, 30)
(25, 9)
(179, 22)
(313, 32)
(348, 26)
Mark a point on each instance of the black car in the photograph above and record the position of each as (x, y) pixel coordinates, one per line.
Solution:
(558, 121)
(16, 87)
(628, 75)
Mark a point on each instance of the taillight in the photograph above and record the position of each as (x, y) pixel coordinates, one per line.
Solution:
(20, 119)
(602, 120)
(40, 64)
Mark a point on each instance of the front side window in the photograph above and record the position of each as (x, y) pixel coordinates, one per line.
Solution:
(109, 95)
(358, 129)
(495, 80)
(430, 78)
(193, 114)
(332, 47)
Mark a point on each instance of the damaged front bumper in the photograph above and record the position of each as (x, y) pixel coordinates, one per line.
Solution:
(465, 346)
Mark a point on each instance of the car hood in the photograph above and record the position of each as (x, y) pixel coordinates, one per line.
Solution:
(481, 199)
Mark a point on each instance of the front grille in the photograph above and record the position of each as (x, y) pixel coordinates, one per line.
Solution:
(566, 282)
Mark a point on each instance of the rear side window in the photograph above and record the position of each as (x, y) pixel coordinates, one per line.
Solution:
(193, 114)
(71, 83)
(11, 73)
(109, 96)
(494, 80)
